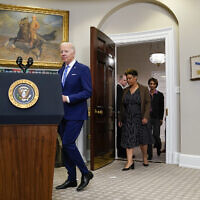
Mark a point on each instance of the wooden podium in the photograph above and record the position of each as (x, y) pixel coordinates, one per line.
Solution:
(28, 139)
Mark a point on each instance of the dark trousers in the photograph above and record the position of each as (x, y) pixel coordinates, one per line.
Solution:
(69, 132)
(155, 127)
(121, 152)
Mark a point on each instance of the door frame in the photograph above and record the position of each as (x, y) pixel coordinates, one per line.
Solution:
(172, 82)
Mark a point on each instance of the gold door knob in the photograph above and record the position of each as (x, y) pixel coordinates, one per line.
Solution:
(95, 111)
(99, 112)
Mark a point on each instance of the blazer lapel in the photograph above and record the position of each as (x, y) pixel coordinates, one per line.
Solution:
(62, 69)
(71, 72)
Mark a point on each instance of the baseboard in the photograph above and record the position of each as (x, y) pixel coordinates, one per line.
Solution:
(189, 161)
(172, 157)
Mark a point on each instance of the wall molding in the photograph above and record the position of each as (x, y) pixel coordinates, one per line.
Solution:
(189, 161)
(129, 2)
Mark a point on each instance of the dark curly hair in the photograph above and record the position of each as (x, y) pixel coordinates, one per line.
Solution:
(154, 80)
(133, 72)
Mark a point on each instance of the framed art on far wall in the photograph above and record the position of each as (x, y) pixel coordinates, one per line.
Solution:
(195, 67)
(32, 32)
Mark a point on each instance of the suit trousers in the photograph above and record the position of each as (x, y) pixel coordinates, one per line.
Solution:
(155, 126)
(121, 152)
(69, 131)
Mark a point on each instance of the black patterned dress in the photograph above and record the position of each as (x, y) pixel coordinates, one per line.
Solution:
(134, 132)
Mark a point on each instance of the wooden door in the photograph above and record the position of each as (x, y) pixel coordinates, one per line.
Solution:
(102, 65)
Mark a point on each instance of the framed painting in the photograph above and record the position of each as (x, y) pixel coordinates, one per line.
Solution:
(32, 32)
(195, 68)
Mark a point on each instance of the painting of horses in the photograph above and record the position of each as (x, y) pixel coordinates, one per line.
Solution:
(32, 32)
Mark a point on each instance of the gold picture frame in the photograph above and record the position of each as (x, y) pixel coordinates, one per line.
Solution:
(21, 36)
(195, 67)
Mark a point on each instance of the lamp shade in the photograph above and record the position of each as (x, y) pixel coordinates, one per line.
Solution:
(157, 58)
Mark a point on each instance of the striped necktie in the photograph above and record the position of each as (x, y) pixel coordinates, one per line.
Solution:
(65, 75)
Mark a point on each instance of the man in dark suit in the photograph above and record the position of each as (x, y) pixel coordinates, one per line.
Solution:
(122, 83)
(76, 89)
(156, 115)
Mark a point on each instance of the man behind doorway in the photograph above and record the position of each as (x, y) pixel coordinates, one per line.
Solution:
(156, 115)
(122, 83)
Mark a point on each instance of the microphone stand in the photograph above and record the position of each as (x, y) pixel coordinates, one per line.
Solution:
(22, 66)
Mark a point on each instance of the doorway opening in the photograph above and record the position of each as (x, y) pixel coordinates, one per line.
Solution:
(168, 36)
(137, 56)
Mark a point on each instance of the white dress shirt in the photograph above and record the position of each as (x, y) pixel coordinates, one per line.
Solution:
(71, 64)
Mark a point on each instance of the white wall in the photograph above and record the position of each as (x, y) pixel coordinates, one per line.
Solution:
(189, 32)
(136, 18)
(84, 14)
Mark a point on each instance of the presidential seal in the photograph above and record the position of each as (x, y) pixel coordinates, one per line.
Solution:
(23, 93)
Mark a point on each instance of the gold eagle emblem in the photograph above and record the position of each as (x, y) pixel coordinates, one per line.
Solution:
(23, 93)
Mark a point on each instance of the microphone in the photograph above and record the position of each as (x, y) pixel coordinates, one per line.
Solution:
(29, 61)
(20, 64)
(19, 61)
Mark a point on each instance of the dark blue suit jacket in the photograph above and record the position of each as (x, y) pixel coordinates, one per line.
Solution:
(78, 87)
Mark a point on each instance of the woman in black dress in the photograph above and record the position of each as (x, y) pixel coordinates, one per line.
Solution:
(134, 116)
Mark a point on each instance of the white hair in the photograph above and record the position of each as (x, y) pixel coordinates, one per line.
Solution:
(68, 44)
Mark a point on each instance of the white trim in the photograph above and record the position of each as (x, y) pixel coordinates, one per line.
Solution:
(138, 37)
(172, 101)
(173, 157)
(190, 161)
(116, 81)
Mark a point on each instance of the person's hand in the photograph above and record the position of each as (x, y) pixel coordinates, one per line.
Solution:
(120, 124)
(144, 121)
(64, 98)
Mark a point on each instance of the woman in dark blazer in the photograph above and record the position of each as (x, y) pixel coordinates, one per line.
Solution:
(134, 117)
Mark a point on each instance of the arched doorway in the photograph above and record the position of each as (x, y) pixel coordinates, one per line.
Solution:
(169, 35)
